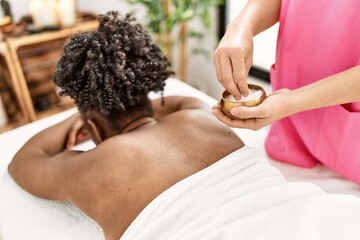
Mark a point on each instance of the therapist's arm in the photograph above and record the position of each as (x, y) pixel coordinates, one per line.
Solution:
(234, 55)
(257, 16)
(340, 88)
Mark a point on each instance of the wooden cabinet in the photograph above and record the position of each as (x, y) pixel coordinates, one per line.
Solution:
(10, 92)
(31, 62)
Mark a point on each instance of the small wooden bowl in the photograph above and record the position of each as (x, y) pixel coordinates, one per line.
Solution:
(227, 105)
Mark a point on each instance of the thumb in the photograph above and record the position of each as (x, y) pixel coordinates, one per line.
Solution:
(249, 112)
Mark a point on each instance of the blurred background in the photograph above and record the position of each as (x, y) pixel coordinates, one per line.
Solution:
(33, 33)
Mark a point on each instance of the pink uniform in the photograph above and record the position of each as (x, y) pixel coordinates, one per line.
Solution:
(317, 38)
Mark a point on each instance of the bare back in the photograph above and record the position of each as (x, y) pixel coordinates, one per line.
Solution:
(134, 168)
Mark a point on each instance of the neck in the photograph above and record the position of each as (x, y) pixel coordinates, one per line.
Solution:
(137, 123)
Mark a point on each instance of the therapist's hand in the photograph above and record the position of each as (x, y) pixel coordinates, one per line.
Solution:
(233, 59)
(273, 108)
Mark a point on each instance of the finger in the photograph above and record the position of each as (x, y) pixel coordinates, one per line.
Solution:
(249, 112)
(221, 116)
(216, 107)
(227, 79)
(217, 64)
(72, 136)
(82, 136)
(79, 138)
(71, 139)
(251, 123)
(228, 121)
(239, 72)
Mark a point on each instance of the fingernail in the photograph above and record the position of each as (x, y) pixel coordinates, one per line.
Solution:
(79, 137)
(237, 97)
(234, 111)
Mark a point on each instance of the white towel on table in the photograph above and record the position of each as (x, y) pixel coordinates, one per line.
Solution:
(26, 217)
(243, 197)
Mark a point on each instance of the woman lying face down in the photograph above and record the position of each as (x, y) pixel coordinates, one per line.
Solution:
(143, 147)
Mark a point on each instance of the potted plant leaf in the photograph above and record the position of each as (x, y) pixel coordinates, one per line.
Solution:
(163, 16)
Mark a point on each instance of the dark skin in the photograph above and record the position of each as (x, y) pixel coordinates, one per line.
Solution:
(116, 180)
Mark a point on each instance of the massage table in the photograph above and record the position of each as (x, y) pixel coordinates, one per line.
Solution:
(23, 216)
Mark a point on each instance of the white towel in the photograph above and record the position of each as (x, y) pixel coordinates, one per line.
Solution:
(24, 216)
(243, 197)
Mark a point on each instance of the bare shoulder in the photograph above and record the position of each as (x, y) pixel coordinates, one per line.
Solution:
(106, 177)
(200, 117)
(101, 158)
(99, 178)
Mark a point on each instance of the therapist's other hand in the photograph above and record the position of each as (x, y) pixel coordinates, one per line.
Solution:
(233, 59)
(273, 108)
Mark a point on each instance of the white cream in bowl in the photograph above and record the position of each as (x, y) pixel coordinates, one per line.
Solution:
(253, 94)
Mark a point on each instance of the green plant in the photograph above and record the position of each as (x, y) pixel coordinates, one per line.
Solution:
(166, 15)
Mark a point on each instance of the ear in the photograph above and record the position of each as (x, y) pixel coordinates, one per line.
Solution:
(95, 131)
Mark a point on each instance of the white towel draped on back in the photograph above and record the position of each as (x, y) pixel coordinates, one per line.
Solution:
(243, 197)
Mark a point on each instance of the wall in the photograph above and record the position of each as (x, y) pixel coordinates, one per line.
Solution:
(201, 69)
(20, 7)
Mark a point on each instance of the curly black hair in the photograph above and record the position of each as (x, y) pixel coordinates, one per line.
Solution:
(111, 70)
